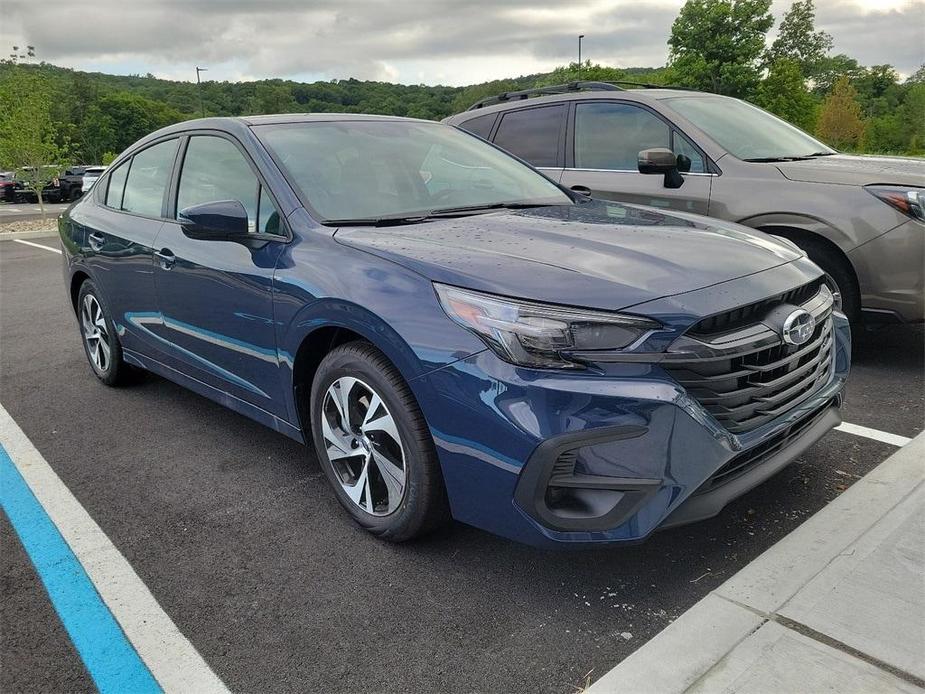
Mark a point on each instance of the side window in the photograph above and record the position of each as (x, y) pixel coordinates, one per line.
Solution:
(480, 126)
(610, 135)
(116, 187)
(267, 217)
(684, 146)
(148, 178)
(214, 169)
(532, 134)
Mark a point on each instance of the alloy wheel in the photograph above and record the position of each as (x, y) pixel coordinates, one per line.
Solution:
(96, 334)
(363, 446)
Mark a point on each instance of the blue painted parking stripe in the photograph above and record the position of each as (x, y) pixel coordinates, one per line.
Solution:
(107, 654)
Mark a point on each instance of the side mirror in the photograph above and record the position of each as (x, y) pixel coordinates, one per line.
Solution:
(224, 220)
(661, 160)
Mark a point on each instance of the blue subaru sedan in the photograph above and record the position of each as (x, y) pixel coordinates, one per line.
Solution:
(456, 335)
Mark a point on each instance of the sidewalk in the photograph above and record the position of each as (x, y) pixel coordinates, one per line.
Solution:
(838, 605)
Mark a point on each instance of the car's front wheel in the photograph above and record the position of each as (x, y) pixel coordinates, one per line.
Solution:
(101, 344)
(374, 445)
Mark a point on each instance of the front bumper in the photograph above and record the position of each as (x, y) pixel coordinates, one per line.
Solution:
(891, 274)
(652, 452)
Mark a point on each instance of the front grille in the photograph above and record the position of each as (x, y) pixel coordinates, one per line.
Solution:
(756, 384)
(747, 460)
(744, 315)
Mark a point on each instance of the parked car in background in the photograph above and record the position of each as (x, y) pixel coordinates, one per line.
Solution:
(70, 183)
(8, 186)
(456, 333)
(90, 176)
(51, 191)
(862, 219)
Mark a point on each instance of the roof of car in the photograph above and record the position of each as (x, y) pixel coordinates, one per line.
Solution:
(641, 95)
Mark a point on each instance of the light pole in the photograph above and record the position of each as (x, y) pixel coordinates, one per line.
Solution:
(580, 37)
(202, 106)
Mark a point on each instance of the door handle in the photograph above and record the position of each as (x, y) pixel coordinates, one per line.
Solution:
(165, 258)
(582, 190)
(96, 241)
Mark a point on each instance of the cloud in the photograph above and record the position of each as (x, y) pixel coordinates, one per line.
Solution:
(441, 41)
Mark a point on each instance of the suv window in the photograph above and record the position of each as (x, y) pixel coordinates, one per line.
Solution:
(148, 178)
(215, 169)
(116, 186)
(532, 134)
(610, 136)
(480, 126)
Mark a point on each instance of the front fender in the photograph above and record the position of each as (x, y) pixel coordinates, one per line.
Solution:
(800, 222)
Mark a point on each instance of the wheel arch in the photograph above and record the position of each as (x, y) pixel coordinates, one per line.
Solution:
(77, 280)
(342, 322)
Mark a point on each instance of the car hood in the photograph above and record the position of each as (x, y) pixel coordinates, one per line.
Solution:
(599, 255)
(856, 170)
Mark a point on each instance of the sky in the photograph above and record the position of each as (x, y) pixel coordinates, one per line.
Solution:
(452, 42)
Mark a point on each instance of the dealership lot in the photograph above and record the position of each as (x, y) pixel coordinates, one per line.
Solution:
(234, 531)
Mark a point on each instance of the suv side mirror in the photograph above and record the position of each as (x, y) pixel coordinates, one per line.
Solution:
(661, 160)
(224, 220)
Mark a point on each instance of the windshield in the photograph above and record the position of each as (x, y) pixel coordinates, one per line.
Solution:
(746, 131)
(354, 170)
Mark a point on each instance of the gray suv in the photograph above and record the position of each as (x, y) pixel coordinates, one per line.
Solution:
(862, 219)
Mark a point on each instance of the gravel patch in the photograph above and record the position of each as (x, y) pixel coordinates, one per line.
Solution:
(50, 224)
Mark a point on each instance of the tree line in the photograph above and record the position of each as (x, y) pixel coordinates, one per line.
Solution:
(57, 115)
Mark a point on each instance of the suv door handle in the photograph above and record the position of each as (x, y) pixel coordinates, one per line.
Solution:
(165, 258)
(96, 241)
(582, 190)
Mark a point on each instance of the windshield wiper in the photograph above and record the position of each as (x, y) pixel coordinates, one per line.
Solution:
(763, 160)
(821, 154)
(472, 209)
(381, 221)
(399, 219)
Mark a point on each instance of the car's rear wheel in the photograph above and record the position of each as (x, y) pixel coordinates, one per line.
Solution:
(101, 344)
(374, 445)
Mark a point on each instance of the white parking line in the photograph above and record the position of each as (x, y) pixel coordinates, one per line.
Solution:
(38, 245)
(167, 653)
(875, 434)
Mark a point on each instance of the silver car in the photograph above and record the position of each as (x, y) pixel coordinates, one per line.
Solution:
(862, 219)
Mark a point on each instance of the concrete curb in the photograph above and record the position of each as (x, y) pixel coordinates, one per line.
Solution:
(766, 602)
(13, 235)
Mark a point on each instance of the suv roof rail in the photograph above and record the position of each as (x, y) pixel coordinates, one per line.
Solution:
(615, 86)
(538, 91)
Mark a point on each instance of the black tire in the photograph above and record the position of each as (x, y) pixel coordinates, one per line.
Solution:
(840, 275)
(423, 506)
(113, 371)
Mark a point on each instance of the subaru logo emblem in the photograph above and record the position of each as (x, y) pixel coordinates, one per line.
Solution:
(799, 326)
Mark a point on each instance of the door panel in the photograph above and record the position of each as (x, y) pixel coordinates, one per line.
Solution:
(606, 139)
(629, 186)
(215, 297)
(120, 243)
(216, 314)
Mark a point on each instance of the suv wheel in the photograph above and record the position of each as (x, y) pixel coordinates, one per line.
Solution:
(839, 277)
(374, 445)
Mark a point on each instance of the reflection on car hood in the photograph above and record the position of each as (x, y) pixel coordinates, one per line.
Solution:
(600, 255)
(857, 170)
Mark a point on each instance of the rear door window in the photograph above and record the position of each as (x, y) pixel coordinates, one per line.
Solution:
(532, 134)
(148, 179)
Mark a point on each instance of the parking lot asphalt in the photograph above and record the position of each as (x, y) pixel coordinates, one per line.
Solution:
(10, 212)
(233, 529)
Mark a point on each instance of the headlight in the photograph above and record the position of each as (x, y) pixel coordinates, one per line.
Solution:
(539, 335)
(909, 201)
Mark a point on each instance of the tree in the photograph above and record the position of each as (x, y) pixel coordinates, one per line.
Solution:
(715, 45)
(117, 120)
(28, 138)
(798, 41)
(840, 122)
(831, 68)
(783, 92)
